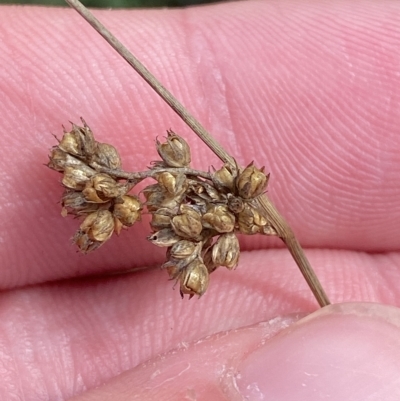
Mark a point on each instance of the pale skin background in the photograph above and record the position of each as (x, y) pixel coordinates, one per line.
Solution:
(308, 89)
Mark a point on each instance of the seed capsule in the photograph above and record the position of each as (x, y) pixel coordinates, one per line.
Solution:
(173, 184)
(188, 223)
(106, 155)
(226, 251)
(207, 259)
(99, 225)
(154, 197)
(76, 178)
(219, 219)
(101, 188)
(69, 143)
(182, 249)
(194, 279)
(160, 221)
(128, 212)
(59, 160)
(175, 151)
(164, 238)
(73, 202)
(94, 231)
(251, 182)
(224, 178)
(79, 142)
(250, 221)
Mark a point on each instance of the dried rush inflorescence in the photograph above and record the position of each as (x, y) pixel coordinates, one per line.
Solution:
(195, 215)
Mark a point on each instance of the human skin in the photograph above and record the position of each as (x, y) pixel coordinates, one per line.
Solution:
(308, 89)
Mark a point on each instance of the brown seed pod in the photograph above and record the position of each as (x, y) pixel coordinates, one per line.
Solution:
(187, 224)
(164, 238)
(235, 203)
(251, 182)
(73, 202)
(194, 279)
(207, 260)
(76, 178)
(173, 184)
(182, 249)
(101, 188)
(226, 251)
(219, 218)
(250, 221)
(160, 221)
(175, 151)
(224, 179)
(128, 211)
(59, 160)
(94, 231)
(70, 144)
(79, 142)
(106, 155)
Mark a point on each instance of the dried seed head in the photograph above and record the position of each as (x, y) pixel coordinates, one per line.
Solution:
(173, 184)
(57, 159)
(76, 178)
(207, 260)
(102, 188)
(219, 219)
(128, 211)
(235, 203)
(206, 192)
(70, 144)
(175, 151)
(250, 221)
(98, 225)
(154, 198)
(251, 182)
(188, 223)
(194, 279)
(182, 249)
(106, 155)
(160, 221)
(164, 238)
(224, 178)
(226, 251)
(94, 231)
(106, 185)
(74, 202)
(79, 142)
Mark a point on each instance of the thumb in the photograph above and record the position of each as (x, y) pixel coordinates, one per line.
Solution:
(341, 352)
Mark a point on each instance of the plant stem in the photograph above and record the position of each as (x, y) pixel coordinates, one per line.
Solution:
(263, 204)
(141, 175)
(269, 211)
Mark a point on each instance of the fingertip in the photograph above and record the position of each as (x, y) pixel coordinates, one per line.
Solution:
(342, 352)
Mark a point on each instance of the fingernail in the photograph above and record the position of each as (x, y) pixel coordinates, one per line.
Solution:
(341, 352)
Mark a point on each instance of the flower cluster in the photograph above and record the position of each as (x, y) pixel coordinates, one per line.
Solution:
(195, 215)
(197, 218)
(100, 199)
